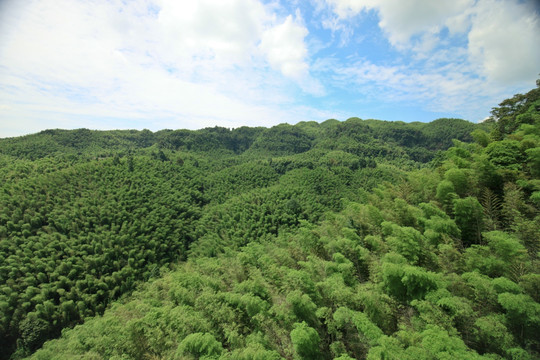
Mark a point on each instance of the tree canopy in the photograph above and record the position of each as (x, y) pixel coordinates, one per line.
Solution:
(360, 239)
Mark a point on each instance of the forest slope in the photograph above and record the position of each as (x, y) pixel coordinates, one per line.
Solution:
(332, 240)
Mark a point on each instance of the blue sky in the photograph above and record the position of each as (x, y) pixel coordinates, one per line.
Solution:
(155, 64)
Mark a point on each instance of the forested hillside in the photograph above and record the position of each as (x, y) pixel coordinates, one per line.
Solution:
(339, 240)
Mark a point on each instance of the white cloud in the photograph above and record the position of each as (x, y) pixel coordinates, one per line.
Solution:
(502, 35)
(222, 29)
(284, 46)
(167, 63)
(199, 62)
(403, 19)
(400, 19)
(349, 8)
(504, 41)
(446, 90)
(286, 51)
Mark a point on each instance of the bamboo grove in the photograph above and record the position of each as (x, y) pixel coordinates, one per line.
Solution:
(339, 240)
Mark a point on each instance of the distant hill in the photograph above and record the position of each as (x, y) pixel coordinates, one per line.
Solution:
(283, 139)
(339, 240)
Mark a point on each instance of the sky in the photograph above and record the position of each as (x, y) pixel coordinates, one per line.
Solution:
(191, 64)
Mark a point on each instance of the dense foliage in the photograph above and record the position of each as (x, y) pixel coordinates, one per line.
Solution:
(340, 240)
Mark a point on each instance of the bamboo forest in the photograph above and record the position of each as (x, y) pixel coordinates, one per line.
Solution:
(356, 239)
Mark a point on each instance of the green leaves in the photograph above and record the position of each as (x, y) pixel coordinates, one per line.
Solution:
(303, 307)
(406, 282)
(522, 315)
(88, 232)
(406, 241)
(446, 194)
(305, 341)
(283, 139)
(200, 345)
(310, 241)
(362, 323)
(469, 218)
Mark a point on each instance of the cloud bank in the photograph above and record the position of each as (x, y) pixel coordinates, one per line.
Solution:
(178, 64)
